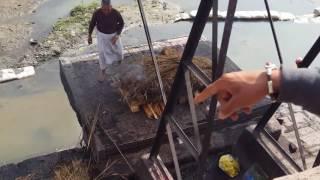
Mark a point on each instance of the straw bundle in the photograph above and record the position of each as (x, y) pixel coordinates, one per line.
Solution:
(141, 84)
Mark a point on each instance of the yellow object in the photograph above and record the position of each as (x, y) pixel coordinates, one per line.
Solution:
(229, 165)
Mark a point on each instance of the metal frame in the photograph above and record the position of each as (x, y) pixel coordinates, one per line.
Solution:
(191, 46)
(200, 150)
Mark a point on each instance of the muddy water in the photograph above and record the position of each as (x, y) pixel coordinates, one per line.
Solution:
(251, 43)
(36, 117)
(35, 114)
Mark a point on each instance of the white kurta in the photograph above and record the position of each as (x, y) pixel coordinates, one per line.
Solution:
(108, 52)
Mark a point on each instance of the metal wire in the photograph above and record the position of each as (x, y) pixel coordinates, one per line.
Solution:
(296, 131)
(273, 31)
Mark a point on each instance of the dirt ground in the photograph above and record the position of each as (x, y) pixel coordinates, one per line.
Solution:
(16, 8)
(13, 29)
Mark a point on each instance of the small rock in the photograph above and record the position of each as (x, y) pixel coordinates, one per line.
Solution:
(316, 11)
(34, 11)
(25, 56)
(274, 128)
(73, 33)
(19, 5)
(280, 120)
(165, 6)
(292, 148)
(33, 41)
(19, 86)
(56, 50)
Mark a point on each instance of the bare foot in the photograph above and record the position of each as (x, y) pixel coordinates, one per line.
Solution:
(101, 76)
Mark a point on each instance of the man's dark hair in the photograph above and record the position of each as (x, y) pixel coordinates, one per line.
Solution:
(105, 2)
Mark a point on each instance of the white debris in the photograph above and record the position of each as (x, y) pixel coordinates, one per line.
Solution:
(285, 16)
(316, 20)
(252, 15)
(316, 11)
(306, 19)
(182, 16)
(18, 73)
(193, 13)
(33, 41)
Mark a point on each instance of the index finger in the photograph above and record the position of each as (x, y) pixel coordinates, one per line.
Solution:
(209, 91)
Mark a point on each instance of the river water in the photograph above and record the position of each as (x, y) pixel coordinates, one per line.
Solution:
(36, 117)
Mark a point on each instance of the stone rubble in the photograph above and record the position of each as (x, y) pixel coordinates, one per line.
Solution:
(308, 127)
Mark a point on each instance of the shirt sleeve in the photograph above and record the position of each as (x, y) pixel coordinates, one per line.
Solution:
(93, 22)
(301, 87)
(120, 23)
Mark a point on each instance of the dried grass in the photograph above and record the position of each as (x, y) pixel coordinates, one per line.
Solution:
(27, 177)
(147, 90)
(76, 170)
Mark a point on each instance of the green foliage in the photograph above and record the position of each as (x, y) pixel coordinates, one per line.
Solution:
(79, 15)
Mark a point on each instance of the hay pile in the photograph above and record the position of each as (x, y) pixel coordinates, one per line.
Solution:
(138, 82)
(76, 170)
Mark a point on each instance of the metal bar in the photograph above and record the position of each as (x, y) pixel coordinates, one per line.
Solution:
(219, 70)
(198, 73)
(186, 141)
(307, 60)
(164, 98)
(273, 31)
(214, 37)
(173, 152)
(311, 55)
(192, 109)
(284, 152)
(296, 131)
(189, 51)
(226, 38)
(119, 150)
(266, 117)
(153, 56)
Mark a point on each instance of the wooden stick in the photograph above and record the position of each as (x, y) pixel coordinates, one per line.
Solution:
(93, 127)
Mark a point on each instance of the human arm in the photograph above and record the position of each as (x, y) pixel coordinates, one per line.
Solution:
(120, 22)
(92, 24)
(120, 25)
(301, 87)
(236, 91)
(239, 91)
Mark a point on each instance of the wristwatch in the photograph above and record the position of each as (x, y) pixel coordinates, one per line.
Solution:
(269, 68)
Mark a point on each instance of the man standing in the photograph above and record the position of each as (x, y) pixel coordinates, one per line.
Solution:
(109, 24)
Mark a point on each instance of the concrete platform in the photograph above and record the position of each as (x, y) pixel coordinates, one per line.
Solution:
(133, 132)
